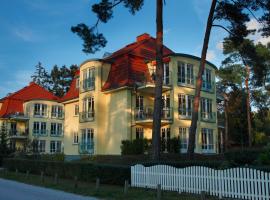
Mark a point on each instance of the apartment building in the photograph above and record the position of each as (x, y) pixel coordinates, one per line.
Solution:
(112, 99)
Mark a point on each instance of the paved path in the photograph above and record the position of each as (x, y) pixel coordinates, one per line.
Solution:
(12, 190)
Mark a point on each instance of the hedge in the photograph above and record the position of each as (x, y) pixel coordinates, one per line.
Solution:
(108, 174)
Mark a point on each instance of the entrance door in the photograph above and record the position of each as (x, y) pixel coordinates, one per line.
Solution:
(165, 139)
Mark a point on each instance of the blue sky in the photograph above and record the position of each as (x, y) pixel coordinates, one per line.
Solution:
(39, 30)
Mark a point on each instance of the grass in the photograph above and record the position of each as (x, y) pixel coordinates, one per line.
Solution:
(88, 189)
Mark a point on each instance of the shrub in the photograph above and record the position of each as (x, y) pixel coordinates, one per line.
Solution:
(108, 174)
(264, 157)
(174, 145)
(135, 147)
(242, 156)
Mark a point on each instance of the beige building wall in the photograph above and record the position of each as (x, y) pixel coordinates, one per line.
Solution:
(71, 127)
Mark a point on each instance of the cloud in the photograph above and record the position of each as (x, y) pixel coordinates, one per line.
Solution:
(211, 55)
(219, 45)
(17, 81)
(257, 37)
(24, 34)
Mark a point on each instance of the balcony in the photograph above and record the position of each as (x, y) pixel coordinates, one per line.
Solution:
(86, 148)
(40, 115)
(208, 86)
(87, 116)
(148, 86)
(145, 116)
(57, 115)
(184, 113)
(57, 133)
(40, 133)
(15, 134)
(87, 84)
(208, 117)
(19, 117)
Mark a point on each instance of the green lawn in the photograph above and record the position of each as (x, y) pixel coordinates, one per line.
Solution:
(88, 189)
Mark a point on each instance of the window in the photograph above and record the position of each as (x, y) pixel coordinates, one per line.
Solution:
(56, 129)
(183, 134)
(139, 133)
(185, 73)
(140, 108)
(206, 109)
(185, 105)
(55, 146)
(166, 74)
(165, 139)
(88, 107)
(89, 79)
(207, 83)
(87, 135)
(13, 128)
(57, 111)
(39, 128)
(39, 146)
(207, 140)
(76, 110)
(75, 138)
(165, 106)
(40, 110)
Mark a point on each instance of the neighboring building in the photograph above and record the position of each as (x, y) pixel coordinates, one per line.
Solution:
(112, 99)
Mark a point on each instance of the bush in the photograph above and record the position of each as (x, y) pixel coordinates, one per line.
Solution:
(242, 156)
(135, 147)
(108, 174)
(264, 157)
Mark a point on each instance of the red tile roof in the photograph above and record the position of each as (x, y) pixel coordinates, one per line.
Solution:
(129, 63)
(14, 103)
(73, 92)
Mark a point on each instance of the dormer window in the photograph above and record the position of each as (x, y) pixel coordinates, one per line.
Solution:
(40, 110)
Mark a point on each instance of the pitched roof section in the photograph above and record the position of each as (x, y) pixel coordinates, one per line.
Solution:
(14, 103)
(73, 91)
(129, 63)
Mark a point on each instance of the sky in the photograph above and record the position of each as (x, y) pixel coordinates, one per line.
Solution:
(35, 31)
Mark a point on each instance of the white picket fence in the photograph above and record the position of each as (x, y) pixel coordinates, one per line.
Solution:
(240, 183)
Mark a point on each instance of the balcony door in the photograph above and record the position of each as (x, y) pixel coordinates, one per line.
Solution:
(166, 106)
(207, 138)
(166, 74)
(13, 128)
(165, 139)
(139, 107)
(87, 136)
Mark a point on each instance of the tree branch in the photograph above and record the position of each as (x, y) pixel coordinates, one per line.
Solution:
(220, 26)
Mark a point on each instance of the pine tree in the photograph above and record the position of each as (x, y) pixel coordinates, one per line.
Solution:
(4, 141)
(41, 76)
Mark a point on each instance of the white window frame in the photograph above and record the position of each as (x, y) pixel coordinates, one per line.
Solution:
(40, 110)
(55, 146)
(39, 128)
(207, 140)
(207, 79)
(76, 110)
(56, 129)
(89, 78)
(185, 74)
(184, 137)
(57, 111)
(185, 105)
(206, 109)
(75, 137)
(139, 133)
(41, 146)
(89, 107)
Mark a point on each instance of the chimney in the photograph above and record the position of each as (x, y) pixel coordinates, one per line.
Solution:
(142, 37)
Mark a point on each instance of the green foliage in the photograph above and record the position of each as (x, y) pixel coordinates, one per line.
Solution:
(92, 40)
(264, 157)
(261, 139)
(241, 157)
(108, 174)
(133, 147)
(57, 81)
(171, 145)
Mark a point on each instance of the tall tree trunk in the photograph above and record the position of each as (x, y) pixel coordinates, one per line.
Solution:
(158, 82)
(248, 106)
(193, 128)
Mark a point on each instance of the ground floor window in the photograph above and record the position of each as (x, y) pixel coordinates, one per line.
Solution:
(139, 133)
(207, 140)
(165, 139)
(39, 146)
(87, 135)
(183, 134)
(55, 146)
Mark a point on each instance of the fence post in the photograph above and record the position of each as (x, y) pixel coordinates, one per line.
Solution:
(55, 178)
(42, 176)
(75, 182)
(158, 192)
(97, 184)
(126, 187)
